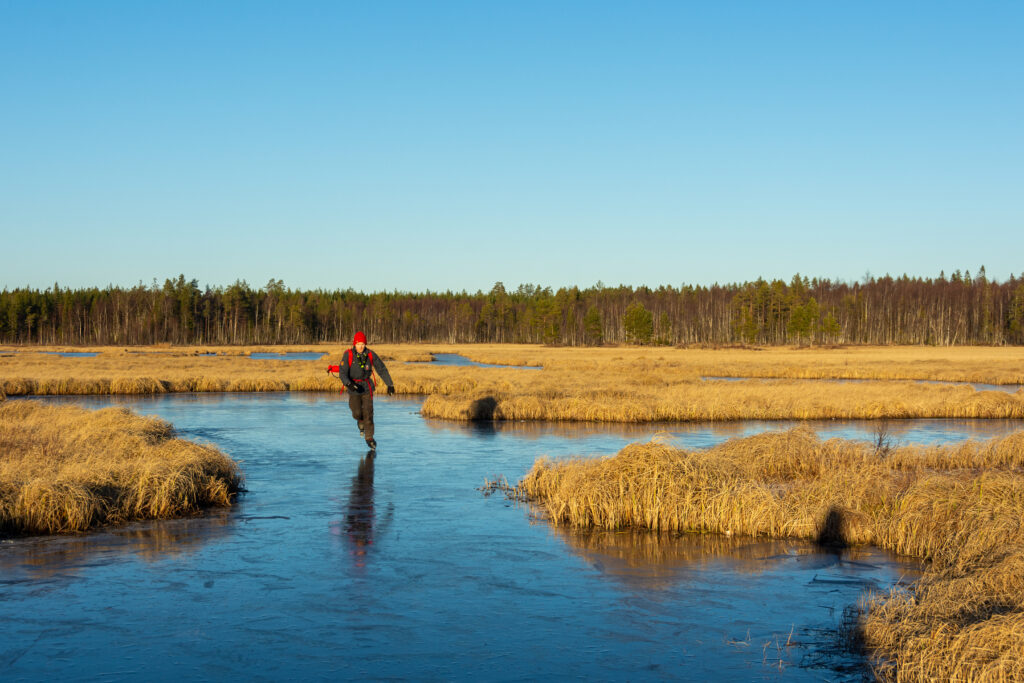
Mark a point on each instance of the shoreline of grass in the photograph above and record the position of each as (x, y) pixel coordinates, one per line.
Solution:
(960, 508)
(65, 469)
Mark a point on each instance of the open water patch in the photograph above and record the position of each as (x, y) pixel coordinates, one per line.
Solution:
(693, 435)
(340, 565)
(458, 360)
(291, 355)
(978, 386)
(71, 354)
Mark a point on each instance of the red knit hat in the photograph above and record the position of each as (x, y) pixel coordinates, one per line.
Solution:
(360, 337)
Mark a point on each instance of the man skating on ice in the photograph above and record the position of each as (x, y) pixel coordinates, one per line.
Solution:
(356, 373)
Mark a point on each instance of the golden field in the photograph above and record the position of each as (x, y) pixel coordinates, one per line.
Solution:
(66, 469)
(983, 364)
(616, 384)
(960, 508)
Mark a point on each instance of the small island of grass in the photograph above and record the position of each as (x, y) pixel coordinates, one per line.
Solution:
(65, 469)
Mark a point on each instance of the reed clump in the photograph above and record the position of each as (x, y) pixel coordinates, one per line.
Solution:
(65, 469)
(960, 508)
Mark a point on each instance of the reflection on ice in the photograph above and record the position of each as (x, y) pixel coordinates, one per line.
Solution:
(151, 541)
(732, 586)
(653, 560)
(360, 524)
(360, 518)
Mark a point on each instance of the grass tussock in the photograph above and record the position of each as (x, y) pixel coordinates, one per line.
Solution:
(66, 469)
(961, 508)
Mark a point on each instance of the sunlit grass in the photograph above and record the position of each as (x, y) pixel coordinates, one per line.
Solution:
(604, 400)
(66, 469)
(625, 384)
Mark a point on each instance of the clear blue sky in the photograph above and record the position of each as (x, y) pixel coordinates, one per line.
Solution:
(448, 145)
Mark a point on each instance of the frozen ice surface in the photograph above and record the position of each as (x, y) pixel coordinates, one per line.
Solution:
(340, 566)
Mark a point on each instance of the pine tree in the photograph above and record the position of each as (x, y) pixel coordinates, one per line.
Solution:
(638, 323)
(593, 327)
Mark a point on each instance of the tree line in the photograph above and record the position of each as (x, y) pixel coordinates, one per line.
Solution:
(959, 309)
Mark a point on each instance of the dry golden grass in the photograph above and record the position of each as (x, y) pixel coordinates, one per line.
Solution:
(604, 400)
(983, 364)
(66, 469)
(160, 369)
(603, 384)
(961, 508)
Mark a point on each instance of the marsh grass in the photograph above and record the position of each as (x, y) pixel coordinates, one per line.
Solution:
(982, 364)
(167, 369)
(596, 385)
(960, 508)
(601, 399)
(65, 469)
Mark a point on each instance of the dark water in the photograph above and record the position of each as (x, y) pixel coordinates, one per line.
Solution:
(978, 386)
(460, 360)
(1009, 388)
(294, 355)
(72, 354)
(336, 565)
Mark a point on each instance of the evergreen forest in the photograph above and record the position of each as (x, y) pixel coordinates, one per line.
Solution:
(955, 310)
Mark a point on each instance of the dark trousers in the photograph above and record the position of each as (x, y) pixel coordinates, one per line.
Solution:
(362, 411)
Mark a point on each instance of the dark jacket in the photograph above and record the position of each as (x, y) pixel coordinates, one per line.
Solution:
(356, 367)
